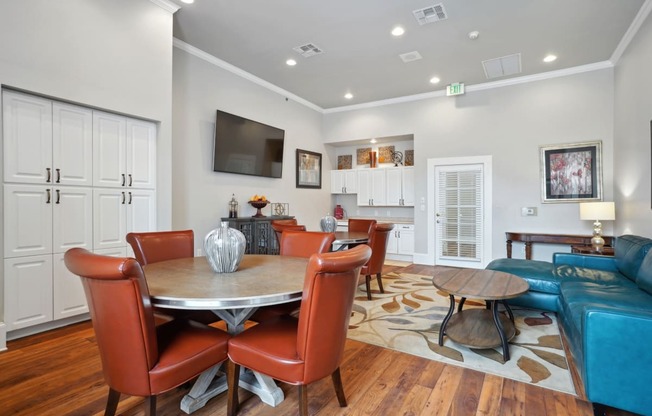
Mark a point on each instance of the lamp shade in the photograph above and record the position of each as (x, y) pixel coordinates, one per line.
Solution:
(598, 211)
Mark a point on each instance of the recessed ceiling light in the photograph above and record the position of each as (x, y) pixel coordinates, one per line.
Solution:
(398, 31)
(474, 35)
(291, 62)
(550, 58)
(348, 95)
(434, 80)
(188, 1)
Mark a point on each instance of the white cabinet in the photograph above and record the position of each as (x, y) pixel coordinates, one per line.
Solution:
(67, 291)
(124, 152)
(400, 186)
(46, 142)
(401, 240)
(372, 188)
(28, 291)
(344, 181)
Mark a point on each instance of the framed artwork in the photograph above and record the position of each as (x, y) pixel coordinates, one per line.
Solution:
(345, 162)
(362, 156)
(571, 172)
(308, 169)
(385, 154)
(409, 157)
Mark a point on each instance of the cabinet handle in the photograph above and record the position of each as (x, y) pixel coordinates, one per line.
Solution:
(47, 191)
(130, 179)
(58, 175)
(123, 198)
(129, 198)
(123, 179)
(58, 197)
(399, 234)
(47, 179)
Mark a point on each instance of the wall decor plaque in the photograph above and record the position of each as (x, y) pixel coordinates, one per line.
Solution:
(409, 157)
(345, 162)
(362, 155)
(385, 154)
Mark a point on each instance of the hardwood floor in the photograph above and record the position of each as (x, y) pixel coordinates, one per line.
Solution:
(59, 373)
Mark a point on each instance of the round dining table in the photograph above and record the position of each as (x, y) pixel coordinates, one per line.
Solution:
(260, 280)
(348, 239)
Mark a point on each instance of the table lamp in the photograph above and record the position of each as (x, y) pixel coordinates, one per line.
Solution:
(597, 211)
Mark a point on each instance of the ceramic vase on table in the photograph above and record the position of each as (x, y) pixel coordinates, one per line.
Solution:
(224, 248)
(328, 224)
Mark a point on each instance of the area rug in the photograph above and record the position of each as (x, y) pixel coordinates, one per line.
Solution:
(408, 315)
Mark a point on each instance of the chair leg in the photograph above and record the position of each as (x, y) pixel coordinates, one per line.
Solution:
(380, 283)
(367, 280)
(303, 400)
(112, 403)
(232, 379)
(150, 406)
(339, 387)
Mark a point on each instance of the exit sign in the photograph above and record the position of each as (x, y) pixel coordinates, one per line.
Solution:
(455, 89)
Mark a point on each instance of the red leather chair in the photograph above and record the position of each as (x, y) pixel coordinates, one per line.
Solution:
(297, 244)
(292, 221)
(279, 228)
(300, 351)
(153, 247)
(361, 225)
(138, 358)
(378, 243)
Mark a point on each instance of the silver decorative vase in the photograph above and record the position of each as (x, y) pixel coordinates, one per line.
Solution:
(328, 224)
(224, 248)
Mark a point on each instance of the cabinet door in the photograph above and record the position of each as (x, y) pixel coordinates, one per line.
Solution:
(27, 220)
(350, 181)
(408, 186)
(394, 181)
(73, 218)
(378, 187)
(406, 242)
(68, 293)
(109, 218)
(141, 210)
(337, 181)
(141, 154)
(364, 187)
(28, 291)
(72, 145)
(27, 131)
(115, 252)
(109, 150)
(392, 242)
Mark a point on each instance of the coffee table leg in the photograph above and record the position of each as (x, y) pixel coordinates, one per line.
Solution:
(501, 331)
(509, 310)
(461, 305)
(442, 329)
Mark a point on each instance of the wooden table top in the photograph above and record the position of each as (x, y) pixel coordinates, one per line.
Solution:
(261, 280)
(480, 284)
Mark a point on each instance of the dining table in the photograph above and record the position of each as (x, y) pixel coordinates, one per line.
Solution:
(191, 284)
(349, 239)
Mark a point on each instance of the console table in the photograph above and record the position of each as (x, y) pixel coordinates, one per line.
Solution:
(260, 236)
(530, 238)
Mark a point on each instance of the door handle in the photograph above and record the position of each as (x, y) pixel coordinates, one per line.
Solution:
(123, 179)
(58, 197)
(130, 179)
(123, 198)
(47, 191)
(47, 179)
(58, 175)
(129, 198)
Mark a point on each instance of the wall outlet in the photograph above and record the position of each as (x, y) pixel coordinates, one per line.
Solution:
(199, 252)
(529, 212)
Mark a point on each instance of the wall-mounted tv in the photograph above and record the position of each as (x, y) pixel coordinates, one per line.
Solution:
(247, 147)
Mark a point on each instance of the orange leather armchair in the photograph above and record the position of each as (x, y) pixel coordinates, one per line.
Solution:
(361, 225)
(378, 243)
(292, 221)
(279, 228)
(300, 351)
(153, 247)
(138, 358)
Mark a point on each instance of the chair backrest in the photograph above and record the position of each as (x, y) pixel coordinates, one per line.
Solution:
(279, 228)
(292, 221)
(162, 245)
(328, 291)
(378, 242)
(122, 315)
(361, 225)
(305, 243)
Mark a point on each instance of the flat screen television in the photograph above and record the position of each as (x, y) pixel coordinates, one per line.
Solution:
(247, 147)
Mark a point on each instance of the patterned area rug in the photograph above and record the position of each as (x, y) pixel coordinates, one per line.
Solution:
(408, 315)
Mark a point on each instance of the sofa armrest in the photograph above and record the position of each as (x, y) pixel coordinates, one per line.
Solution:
(617, 357)
(589, 261)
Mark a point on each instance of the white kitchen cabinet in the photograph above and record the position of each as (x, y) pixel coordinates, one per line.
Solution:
(400, 186)
(344, 181)
(372, 188)
(67, 290)
(124, 152)
(401, 240)
(28, 291)
(46, 142)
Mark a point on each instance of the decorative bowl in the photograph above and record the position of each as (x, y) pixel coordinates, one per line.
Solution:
(258, 205)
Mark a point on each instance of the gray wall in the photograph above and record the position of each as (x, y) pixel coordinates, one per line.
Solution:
(633, 112)
(508, 123)
(200, 196)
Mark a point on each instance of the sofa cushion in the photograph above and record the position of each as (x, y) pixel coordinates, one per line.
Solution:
(630, 252)
(570, 273)
(537, 273)
(644, 276)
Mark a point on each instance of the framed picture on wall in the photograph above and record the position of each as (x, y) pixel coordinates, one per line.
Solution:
(571, 172)
(308, 169)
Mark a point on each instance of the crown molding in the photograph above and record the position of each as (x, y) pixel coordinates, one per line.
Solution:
(167, 5)
(244, 74)
(642, 14)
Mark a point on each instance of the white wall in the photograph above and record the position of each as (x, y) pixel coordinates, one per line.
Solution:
(200, 196)
(633, 114)
(509, 123)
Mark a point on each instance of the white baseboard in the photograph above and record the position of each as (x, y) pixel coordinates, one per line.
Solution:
(3, 336)
(399, 257)
(23, 332)
(421, 258)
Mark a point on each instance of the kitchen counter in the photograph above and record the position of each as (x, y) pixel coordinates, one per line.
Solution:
(393, 220)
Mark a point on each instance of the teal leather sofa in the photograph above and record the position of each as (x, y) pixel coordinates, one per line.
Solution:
(604, 305)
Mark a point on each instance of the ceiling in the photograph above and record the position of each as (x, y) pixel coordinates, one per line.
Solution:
(361, 56)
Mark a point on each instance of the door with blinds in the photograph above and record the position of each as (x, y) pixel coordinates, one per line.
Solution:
(460, 215)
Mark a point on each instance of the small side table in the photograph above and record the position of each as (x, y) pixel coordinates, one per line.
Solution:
(584, 249)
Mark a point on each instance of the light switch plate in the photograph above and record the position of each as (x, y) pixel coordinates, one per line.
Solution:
(528, 212)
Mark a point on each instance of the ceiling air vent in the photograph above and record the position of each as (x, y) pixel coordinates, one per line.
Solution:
(502, 67)
(430, 14)
(308, 50)
(411, 56)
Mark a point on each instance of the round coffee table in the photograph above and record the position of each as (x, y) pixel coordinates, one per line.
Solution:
(480, 328)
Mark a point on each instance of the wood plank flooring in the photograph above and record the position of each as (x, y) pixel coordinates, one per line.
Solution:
(59, 373)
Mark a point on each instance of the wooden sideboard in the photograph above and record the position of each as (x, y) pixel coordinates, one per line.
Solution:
(261, 238)
(535, 238)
